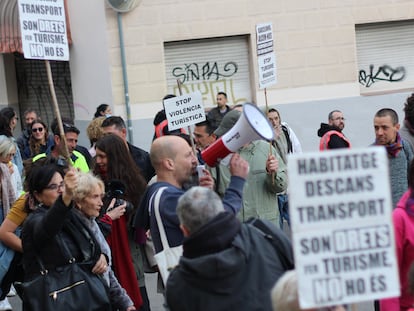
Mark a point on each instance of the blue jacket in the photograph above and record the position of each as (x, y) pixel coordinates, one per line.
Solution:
(145, 218)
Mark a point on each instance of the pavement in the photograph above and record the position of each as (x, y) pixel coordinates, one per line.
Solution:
(156, 299)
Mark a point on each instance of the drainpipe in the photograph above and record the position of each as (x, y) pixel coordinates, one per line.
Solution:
(125, 77)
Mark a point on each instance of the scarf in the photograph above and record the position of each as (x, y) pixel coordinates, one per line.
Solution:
(8, 195)
(91, 224)
(393, 149)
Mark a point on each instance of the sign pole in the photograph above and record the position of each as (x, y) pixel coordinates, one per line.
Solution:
(64, 150)
(190, 132)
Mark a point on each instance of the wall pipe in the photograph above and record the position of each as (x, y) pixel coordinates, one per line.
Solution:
(125, 77)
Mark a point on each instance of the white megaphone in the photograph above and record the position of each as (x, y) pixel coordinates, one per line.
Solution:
(251, 125)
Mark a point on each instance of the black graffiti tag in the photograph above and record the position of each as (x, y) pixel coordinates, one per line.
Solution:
(204, 72)
(383, 73)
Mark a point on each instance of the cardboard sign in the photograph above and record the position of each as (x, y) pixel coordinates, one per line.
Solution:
(43, 28)
(184, 110)
(343, 238)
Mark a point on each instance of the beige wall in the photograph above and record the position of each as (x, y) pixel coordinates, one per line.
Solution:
(314, 43)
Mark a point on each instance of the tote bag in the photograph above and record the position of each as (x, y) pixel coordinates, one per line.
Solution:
(169, 257)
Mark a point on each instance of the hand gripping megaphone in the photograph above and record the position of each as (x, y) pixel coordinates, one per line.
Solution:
(251, 125)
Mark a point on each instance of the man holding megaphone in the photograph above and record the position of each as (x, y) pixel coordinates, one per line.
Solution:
(243, 132)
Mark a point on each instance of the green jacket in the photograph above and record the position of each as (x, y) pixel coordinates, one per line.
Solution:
(259, 194)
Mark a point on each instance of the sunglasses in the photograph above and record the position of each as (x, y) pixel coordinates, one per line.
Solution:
(40, 129)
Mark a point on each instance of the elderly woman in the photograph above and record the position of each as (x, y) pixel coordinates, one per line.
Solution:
(8, 122)
(88, 202)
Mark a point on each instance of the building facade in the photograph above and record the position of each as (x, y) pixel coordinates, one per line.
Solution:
(356, 56)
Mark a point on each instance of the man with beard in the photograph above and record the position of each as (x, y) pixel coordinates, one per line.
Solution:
(331, 133)
(174, 162)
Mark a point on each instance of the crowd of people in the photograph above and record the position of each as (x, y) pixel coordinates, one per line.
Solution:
(99, 203)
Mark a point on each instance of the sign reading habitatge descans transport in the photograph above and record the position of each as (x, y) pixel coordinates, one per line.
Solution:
(43, 29)
(184, 110)
(343, 238)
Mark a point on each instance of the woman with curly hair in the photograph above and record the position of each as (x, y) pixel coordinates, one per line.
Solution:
(95, 132)
(123, 180)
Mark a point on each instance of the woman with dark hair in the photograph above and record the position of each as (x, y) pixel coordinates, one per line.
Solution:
(103, 110)
(39, 140)
(8, 122)
(115, 166)
(53, 223)
(403, 219)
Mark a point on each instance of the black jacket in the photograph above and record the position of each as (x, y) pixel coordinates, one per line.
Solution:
(335, 142)
(226, 265)
(39, 237)
(143, 161)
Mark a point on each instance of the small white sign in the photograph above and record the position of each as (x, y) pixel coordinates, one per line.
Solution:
(343, 238)
(267, 70)
(184, 110)
(43, 29)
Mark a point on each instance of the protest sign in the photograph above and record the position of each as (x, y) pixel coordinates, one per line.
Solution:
(43, 28)
(266, 57)
(184, 110)
(343, 238)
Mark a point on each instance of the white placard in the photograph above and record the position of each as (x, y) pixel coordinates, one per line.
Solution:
(267, 70)
(343, 238)
(184, 110)
(266, 58)
(43, 29)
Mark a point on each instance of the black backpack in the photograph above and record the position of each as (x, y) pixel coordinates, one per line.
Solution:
(272, 235)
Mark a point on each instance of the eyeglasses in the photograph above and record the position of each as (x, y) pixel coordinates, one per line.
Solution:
(55, 186)
(40, 129)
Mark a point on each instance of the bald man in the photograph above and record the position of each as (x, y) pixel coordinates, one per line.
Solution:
(174, 163)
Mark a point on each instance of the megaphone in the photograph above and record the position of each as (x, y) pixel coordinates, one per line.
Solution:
(251, 125)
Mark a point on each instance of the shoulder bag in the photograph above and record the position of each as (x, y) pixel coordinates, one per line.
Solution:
(169, 257)
(69, 288)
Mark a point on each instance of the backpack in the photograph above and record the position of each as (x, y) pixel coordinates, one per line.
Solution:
(289, 142)
(272, 235)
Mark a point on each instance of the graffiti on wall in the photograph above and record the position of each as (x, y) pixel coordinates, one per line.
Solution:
(382, 73)
(209, 90)
(204, 72)
(208, 78)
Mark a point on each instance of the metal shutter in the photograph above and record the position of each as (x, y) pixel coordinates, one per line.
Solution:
(210, 65)
(385, 53)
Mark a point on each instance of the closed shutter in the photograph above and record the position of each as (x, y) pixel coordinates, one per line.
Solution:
(385, 53)
(210, 66)
(33, 88)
